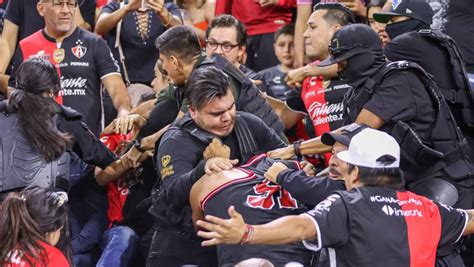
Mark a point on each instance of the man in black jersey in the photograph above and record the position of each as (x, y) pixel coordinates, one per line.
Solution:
(375, 218)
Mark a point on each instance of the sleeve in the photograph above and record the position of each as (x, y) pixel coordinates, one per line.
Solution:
(174, 10)
(308, 189)
(453, 223)
(396, 86)
(162, 114)
(266, 137)
(55, 256)
(105, 62)
(15, 11)
(90, 149)
(110, 8)
(179, 163)
(223, 7)
(331, 219)
(304, 2)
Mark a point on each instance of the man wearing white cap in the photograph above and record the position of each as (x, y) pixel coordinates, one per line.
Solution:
(375, 223)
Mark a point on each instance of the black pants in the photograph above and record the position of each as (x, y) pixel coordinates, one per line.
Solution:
(260, 53)
(169, 249)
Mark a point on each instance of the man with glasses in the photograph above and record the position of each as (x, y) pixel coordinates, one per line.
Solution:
(82, 59)
(227, 36)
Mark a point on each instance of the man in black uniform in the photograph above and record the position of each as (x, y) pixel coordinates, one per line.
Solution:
(389, 220)
(413, 40)
(180, 54)
(180, 163)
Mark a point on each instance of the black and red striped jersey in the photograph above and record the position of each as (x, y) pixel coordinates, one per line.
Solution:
(82, 60)
(259, 201)
(377, 226)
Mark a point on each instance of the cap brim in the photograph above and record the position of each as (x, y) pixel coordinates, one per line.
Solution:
(344, 156)
(348, 54)
(330, 139)
(383, 17)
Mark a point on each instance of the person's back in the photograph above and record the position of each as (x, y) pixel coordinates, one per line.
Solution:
(257, 199)
(408, 227)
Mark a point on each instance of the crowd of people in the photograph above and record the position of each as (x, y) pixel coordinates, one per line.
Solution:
(237, 133)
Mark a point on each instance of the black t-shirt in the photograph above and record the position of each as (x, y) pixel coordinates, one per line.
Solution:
(259, 201)
(455, 18)
(24, 14)
(87, 8)
(376, 226)
(275, 79)
(82, 60)
(401, 96)
(427, 53)
(140, 52)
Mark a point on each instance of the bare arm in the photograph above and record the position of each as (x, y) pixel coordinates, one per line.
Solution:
(108, 21)
(287, 229)
(303, 12)
(470, 223)
(370, 119)
(8, 43)
(119, 94)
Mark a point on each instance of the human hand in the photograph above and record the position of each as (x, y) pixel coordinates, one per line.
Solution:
(308, 168)
(218, 164)
(133, 5)
(222, 231)
(355, 6)
(124, 124)
(256, 82)
(272, 173)
(133, 158)
(282, 153)
(264, 3)
(216, 149)
(157, 5)
(294, 78)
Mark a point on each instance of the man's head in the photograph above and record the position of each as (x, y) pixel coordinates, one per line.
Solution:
(284, 45)
(323, 22)
(58, 16)
(226, 36)
(373, 158)
(340, 142)
(179, 50)
(405, 16)
(211, 103)
(357, 50)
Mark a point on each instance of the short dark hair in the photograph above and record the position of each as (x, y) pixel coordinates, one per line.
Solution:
(205, 84)
(336, 13)
(179, 41)
(227, 21)
(288, 29)
(388, 177)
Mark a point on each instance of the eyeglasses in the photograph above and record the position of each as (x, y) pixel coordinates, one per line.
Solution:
(59, 4)
(226, 47)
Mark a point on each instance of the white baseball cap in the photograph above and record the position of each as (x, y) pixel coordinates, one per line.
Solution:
(370, 148)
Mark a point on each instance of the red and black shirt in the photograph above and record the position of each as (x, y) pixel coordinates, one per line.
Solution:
(370, 224)
(82, 60)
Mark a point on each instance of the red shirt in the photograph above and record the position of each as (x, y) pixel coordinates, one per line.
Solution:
(257, 19)
(55, 258)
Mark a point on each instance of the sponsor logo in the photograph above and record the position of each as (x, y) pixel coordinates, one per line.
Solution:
(277, 80)
(77, 82)
(58, 55)
(396, 3)
(41, 55)
(167, 169)
(325, 205)
(79, 50)
(325, 112)
(72, 92)
(390, 211)
(80, 64)
(382, 199)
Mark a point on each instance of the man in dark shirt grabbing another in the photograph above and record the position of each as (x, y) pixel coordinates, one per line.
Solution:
(180, 163)
(389, 220)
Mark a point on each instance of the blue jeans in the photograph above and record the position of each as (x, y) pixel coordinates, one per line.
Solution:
(118, 246)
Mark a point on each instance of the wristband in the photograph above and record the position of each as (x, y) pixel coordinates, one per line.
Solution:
(296, 147)
(248, 235)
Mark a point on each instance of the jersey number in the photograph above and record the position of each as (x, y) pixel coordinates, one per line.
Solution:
(266, 197)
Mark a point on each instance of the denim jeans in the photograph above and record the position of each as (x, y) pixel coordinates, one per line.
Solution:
(118, 246)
